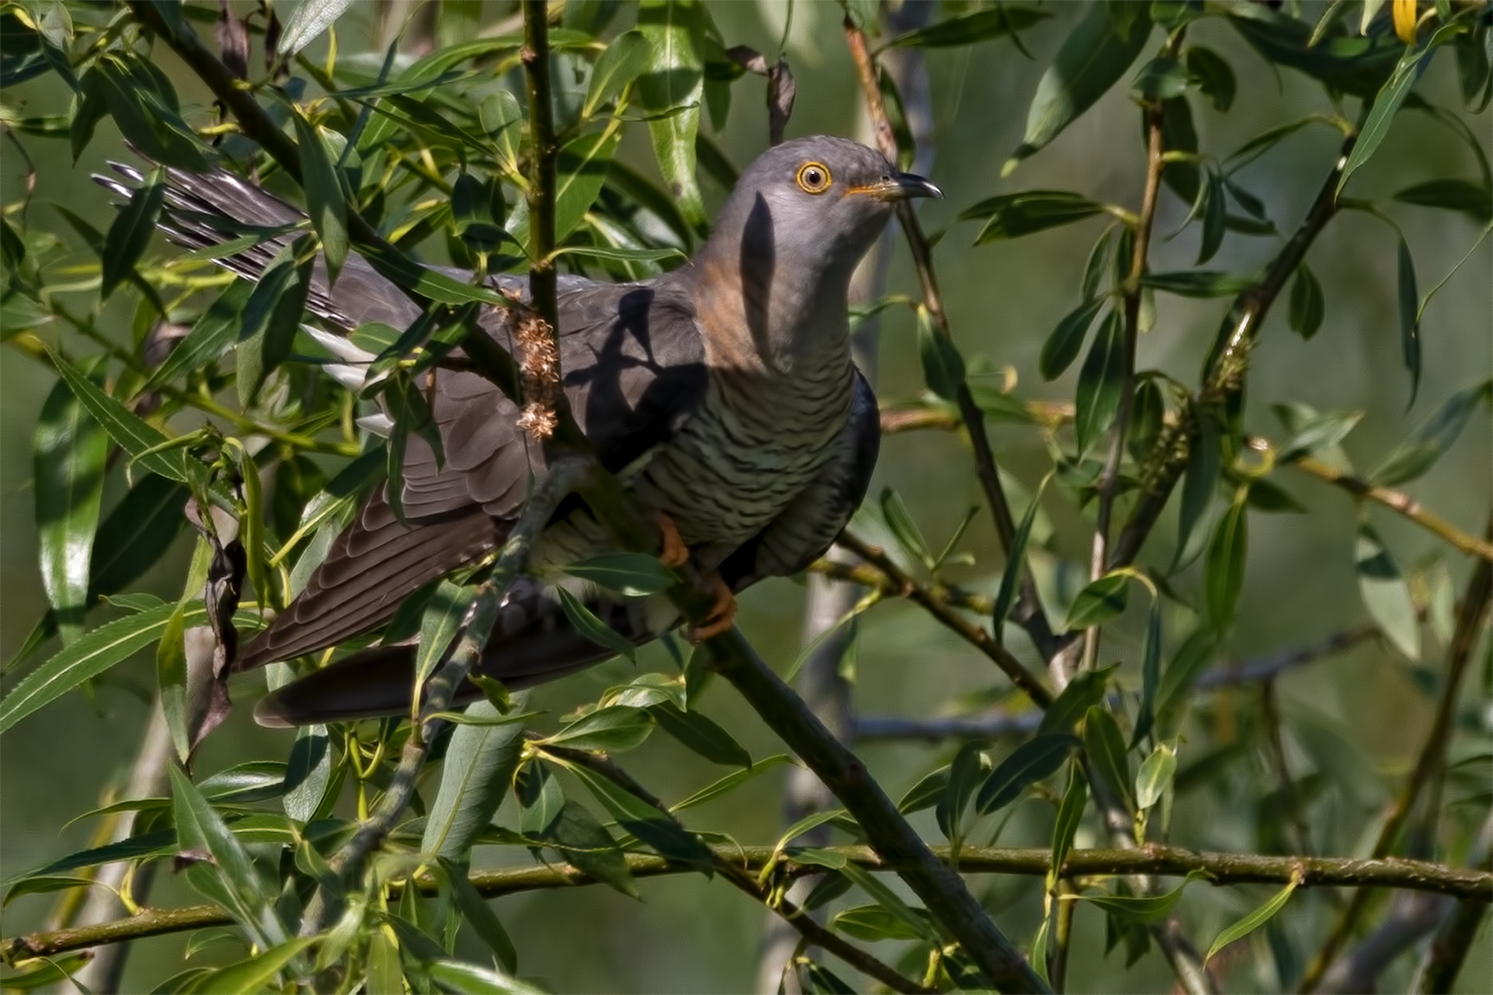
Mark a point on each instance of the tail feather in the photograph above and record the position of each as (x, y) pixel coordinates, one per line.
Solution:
(532, 643)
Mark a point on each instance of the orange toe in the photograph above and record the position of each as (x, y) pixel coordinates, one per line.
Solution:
(674, 553)
(722, 614)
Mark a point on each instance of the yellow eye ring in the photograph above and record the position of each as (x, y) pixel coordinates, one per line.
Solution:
(813, 177)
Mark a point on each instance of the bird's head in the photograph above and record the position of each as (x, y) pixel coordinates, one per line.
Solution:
(819, 201)
(802, 216)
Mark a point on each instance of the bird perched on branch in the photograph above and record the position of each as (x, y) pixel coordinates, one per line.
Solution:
(721, 393)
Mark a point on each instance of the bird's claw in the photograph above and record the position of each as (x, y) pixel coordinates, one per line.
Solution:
(722, 614)
(674, 552)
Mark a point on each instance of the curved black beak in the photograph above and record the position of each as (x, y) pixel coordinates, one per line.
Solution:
(899, 186)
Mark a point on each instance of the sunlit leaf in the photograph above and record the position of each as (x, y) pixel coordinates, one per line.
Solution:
(1099, 601)
(69, 448)
(1253, 921)
(1033, 761)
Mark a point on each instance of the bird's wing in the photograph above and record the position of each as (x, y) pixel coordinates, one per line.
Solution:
(804, 530)
(634, 370)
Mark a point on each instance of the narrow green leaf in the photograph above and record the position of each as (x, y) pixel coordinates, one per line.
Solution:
(1215, 214)
(136, 534)
(1472, 199)
(325, 201)
(200, 828)
(1155, 776)
(502, 120)
(1100, 383)
(1409, 318)
(257, 973)
(271, 316)
(1253, 921)
(1070, 814)
(943, 366)
(618, 255)
(475, 777)
(1214, 76)
(614, 729)
(1085, 690)
(872, 923)
(1198, 283)
(1417, 454)
(211, 336)
(1225, 566)
(1307, 304)
(653, 827)
(701, 734)
(1150, 670)
(69, 449)
(84, 659)
(442, 619)
(926, 792)
(901, 523)
(1099, 601)
(473, 979)
(593, 628)
(171, 680)
(1147, 416)
(581, 170)
(632, 574)
(1106, 750)
(583, 841)
(730, 782)
(964, 779)
(1013, 215)
(1317, 432)
(1144, 908)
(624, 60)
(1385, 593)
(1388, 100)
(916, 919)
(1090, 61)
(1005, 597)
(1063, 345)
(674, 81)
(972, 27)
(1160, 79)
(479, 914)
(1033, 761)
(1204, 467)
(309, 21)
(131, 230)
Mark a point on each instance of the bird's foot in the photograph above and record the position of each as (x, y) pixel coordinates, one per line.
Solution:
(722, 614)
(674, 552)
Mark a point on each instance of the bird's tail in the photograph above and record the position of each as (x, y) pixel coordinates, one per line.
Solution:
(533, 642)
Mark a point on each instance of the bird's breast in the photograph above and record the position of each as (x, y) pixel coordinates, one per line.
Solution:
(753, 445)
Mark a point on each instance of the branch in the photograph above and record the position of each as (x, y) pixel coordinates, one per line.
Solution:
(1432, 757)
(1028, 612)
(867, 575)
(535, 57)
(745, 880)
(940, 609)
(1396, 501)
(1224, 373)
(1217, 868)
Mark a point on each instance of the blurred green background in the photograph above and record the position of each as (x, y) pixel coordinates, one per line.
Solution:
(1003, 299)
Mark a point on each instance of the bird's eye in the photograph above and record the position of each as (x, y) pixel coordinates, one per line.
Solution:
(813, 177)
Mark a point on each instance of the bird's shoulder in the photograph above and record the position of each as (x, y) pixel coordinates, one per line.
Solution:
(633, 370)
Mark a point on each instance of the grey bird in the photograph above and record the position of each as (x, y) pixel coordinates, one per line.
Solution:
(722, 393)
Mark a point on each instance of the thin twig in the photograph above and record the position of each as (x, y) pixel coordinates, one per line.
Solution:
(1387, 497)
(940, 609)
(1429, 762)
(1140, 254)
(1217, 869)
(1028, 611)
(535, 58)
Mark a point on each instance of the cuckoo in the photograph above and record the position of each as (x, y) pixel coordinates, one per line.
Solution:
(721, 393)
